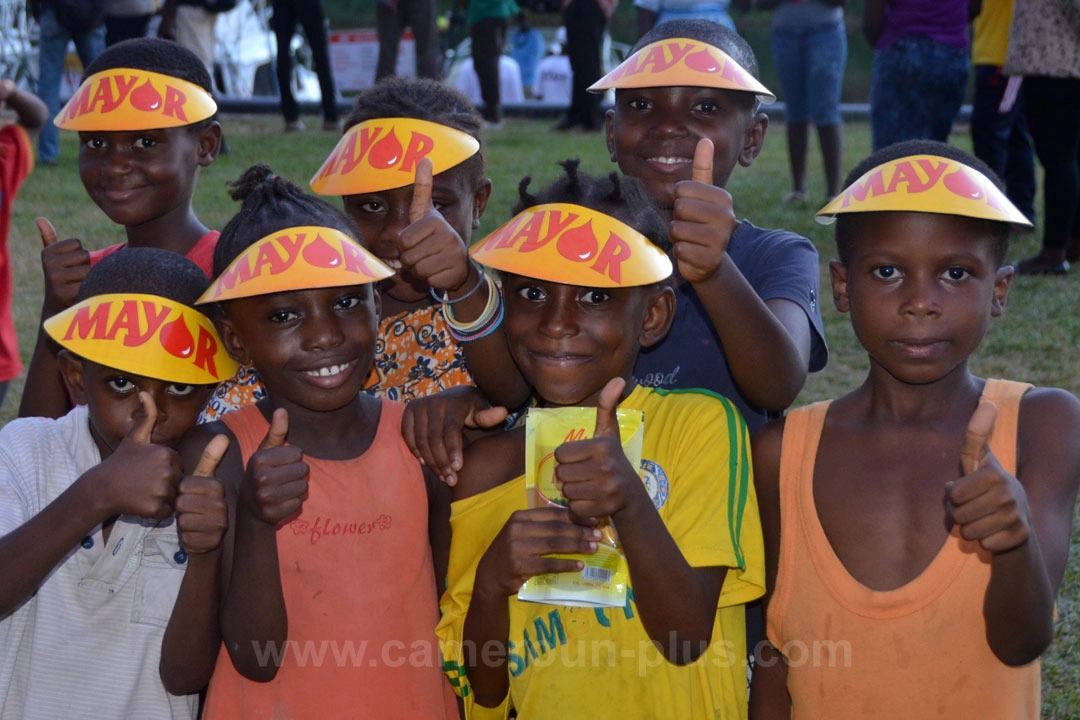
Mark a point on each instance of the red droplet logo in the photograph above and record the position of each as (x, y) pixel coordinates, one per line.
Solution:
(146, 98)
(320, 254)
(385, 153)
(961, 184)
(176, 338)
(703, 61)
(578, 244)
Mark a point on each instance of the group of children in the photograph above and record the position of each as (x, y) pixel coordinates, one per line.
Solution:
(286, 555)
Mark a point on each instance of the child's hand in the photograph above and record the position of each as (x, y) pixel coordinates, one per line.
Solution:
(64, 264)
(431, 250)
(594, 475)
(7, 87)
(522, 547)
(140, 478)
(987, 504)
(201, 511)
(276, 481)
(432, 427)
(702, 219)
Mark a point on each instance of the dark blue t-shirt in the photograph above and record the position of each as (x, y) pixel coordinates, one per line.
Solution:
(777, 264)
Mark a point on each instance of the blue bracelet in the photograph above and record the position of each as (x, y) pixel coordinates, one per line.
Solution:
(445, 299)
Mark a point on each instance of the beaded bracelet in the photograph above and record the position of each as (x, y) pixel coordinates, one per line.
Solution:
(445, 298)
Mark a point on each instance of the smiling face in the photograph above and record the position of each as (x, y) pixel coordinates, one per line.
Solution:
(112, 399)
(313, 349)
(145, 176)
(921, 289)
(568, 341)
(652, 134)
(382, 216)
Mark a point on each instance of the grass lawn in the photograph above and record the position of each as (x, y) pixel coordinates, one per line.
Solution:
(1038, 340)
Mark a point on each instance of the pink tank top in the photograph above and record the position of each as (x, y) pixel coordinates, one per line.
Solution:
(918, 651)
(359, 587)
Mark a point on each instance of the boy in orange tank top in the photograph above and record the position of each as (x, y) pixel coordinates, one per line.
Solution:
(916, 529)
(327, 596)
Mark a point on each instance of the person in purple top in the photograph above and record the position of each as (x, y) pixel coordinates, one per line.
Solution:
(921, 66)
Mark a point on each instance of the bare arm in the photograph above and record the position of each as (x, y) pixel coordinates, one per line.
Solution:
(192, 639)
(29, 109)
(488, 358)
(254, 619)
(598, 481)
(138, 478)
(767, 343)
(769, 699)
(1025, 522)
(438, 526)
(29, 553)
(434, 251)
(64, 264)
(773, 338)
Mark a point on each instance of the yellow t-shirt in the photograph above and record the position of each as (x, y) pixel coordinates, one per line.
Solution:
(571, 662)
(990, 36)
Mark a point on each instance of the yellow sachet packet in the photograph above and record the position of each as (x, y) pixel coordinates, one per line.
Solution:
(603, 580)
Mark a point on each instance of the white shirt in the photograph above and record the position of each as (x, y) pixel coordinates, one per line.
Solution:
(510, 87)
(554, 80)
(88, 643)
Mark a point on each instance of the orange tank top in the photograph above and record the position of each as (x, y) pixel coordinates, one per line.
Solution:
(359, 587)
(918, 651)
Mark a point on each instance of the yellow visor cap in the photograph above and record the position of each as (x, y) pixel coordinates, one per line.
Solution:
(145, 335)
(126, 99)
(573, 245)
(924, 183)
(681, 62)
(382, 154)
(297, 258)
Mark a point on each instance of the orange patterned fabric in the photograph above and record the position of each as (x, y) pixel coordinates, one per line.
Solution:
(415, 357)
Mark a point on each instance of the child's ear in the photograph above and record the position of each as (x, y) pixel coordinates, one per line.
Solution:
(838, 272)
(377, 301)
(1001, 290)
(659, 315)
(71, 369)
(209, 144)
(480, 201)
(234, 345)
(754, 139)
(609, 134)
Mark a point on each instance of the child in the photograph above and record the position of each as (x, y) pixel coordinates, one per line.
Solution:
(747, 324)
(91, 558)
(331, 545)
(916, 542)
(16, 162)
(418, 223)
(691, 540)
(686, 113)
(146, 123)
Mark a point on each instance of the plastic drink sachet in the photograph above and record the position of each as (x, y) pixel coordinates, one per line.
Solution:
(603, 580)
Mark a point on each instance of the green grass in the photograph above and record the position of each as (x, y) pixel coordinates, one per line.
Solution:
(1038, 340)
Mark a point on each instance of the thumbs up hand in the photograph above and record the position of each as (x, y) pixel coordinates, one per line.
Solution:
(276, 480)
(431, 250)
(987, 504)
(64, 265)
(595, 476)
(140, 478)
(703, 219)
(201, 511)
